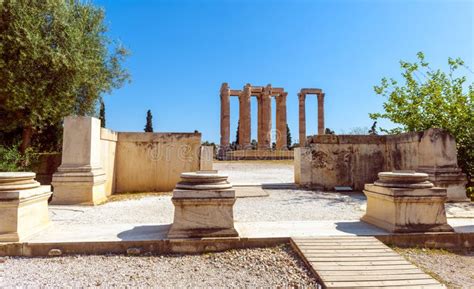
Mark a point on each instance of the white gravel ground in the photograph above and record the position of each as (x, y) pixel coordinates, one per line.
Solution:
(280, 205)
(269, 267)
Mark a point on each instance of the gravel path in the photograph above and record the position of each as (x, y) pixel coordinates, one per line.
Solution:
(269, 267)
(280, 205)
(454, 270)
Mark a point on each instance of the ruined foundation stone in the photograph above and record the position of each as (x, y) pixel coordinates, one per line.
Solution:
(406, 202)
(203, 204)
(23, 206)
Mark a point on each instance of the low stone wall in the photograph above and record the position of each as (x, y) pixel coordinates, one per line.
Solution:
(154, 161)
(328, 161)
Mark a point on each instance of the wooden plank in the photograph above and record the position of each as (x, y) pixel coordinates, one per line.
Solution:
(344, 278)
(357, 263)
(381, 283)
(351, 254)
(353, 258)
(369, 271)
(326, 267)
(346, 251)
(335, 247)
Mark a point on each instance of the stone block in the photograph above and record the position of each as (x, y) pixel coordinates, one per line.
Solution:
(80, 180)
(203, 204)
(23, 206)
(399, 204)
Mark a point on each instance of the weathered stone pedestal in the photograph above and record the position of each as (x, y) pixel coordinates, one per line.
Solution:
(406, 202)
(452, 179)
(203, 204)
(23, 206)
(80, 180)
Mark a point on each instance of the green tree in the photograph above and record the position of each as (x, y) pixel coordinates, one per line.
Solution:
(237, 133)
(102, 113)
(288, 137)
(149, 122)
(55, 60)
(429, 98)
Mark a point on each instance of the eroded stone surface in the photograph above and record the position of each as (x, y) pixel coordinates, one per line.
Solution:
(203, 204)
(403, 202)
(23, 206)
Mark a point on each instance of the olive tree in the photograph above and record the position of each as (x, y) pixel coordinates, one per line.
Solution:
(429, 98)
(55, 60)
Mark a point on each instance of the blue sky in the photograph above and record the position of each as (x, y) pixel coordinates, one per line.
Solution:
(183, 50)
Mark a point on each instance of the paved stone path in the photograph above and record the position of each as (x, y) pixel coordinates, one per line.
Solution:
(356, 262)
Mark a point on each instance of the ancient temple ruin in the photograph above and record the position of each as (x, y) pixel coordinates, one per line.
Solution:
(264, 95)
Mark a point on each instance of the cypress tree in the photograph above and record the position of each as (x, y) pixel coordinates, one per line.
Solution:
(102, 113)
(149, 122)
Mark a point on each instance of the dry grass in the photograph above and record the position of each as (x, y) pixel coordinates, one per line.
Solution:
(117, 197)
(275, 162)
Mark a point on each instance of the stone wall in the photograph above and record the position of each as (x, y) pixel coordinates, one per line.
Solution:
(97, 162)
(108, 146)
(328, 161)
(147, 162)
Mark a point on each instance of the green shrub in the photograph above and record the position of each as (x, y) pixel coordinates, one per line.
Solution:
(11, 160)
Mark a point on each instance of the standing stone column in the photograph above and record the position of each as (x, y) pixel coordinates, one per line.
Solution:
(260, 132)
(244, 117)
(80, 179)
(266, 118)
(225, 118)
(281, 121)
(321, 113)
(302, 118)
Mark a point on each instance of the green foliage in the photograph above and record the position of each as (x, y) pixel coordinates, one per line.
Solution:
(55, 60)
(237, 133)
(149, 122)
(102, 113)
(431, 98)
(289, 141)
(11, 160)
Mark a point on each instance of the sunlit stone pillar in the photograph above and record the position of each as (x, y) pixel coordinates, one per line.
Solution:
(225, 117)
(302, 118)
(266, 118)
(80, 179)
(244, 119)
(281, 121)
(260, 121)
(321, 113)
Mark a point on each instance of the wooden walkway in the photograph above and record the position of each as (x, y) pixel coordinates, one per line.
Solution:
(359, 262)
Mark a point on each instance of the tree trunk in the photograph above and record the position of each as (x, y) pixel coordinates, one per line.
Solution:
(26, 137)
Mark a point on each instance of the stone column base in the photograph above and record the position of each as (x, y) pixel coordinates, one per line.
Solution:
(207, 216)
(404, 210)
(23, 213)
(78, 187)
